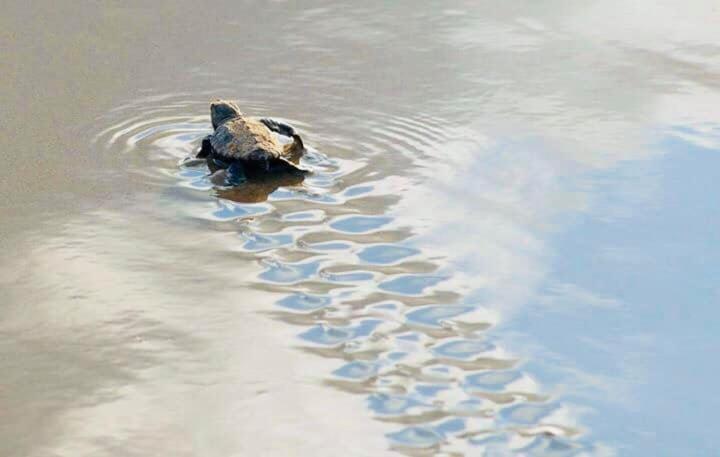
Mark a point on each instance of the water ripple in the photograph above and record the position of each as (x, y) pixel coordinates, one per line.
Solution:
(332, 336)
(461, 349)
(360, 224)
(348, 275)
(385, 254)
(287, 273)
(410, 284)
(304, 302)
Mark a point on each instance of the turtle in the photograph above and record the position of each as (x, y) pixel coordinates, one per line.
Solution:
(243, 147)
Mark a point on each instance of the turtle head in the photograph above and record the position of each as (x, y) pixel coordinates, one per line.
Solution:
(222, 111)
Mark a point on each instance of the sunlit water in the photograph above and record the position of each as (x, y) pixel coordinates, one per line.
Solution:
(508, 243)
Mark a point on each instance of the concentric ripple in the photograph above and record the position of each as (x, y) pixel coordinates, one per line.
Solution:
(349, 275)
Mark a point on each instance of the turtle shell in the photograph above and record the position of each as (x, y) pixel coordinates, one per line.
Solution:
(244, 139)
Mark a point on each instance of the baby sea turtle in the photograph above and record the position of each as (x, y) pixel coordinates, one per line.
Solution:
(245, 147)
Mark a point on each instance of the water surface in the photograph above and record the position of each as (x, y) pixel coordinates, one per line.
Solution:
(508, 245)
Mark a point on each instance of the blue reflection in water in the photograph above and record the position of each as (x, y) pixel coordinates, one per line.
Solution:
(257, 242)
(290, 272)
(359, 224)
(527, 413)
(553, 446)
(408, 336)
(397, 355)
(304, 302)
(304, 216)
(416, 437)
(357, 190)
(451, 426)
(652, 245)
(430, 390)
(330, 246)
(498, 444)
(357, 371)
(410, 284)
(469, 407)
(385, 307)
(191, 173)
(330, 336)
(617, 273)
(493, 442)
(462, 349)
(426, 436)
(384, 254)
(229, 210)
(434, 315)
(194, 177)
(187, 137)
(492, 381)
(393, 405)
(349, 277)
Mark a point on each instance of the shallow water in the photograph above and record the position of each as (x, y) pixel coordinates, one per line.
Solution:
(507, 246)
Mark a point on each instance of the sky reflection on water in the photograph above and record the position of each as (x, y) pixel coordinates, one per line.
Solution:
(616, 315)
(643, 362)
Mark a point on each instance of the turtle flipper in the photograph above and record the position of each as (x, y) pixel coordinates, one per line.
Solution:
(279, 127)
(236, 174)
(292, 151)
(283, 166)
(295, 150)
(205, 148)
(233, 175)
